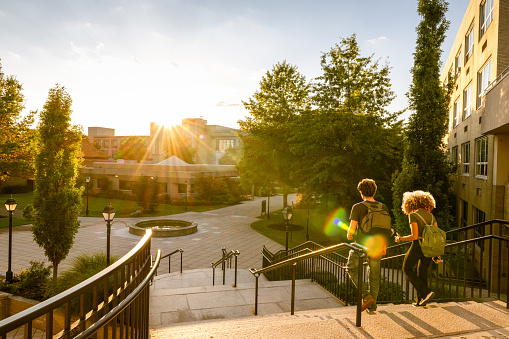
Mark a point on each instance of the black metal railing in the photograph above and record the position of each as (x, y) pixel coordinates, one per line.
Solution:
(114, 302)
(224, 259)
(474, 266)
(179, 250)
(310, 262)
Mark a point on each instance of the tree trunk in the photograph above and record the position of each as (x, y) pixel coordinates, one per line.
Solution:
(55, 270)
(285, 197)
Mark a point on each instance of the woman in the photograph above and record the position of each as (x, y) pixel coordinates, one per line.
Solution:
(418, 206)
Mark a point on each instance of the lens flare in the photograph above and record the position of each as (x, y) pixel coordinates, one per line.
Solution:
(376, 245)
(337, 223)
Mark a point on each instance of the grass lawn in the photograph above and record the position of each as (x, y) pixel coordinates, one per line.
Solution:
(95, 208)
(321, 228)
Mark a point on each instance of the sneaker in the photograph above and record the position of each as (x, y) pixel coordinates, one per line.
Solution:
(368, 301)
(427, 298)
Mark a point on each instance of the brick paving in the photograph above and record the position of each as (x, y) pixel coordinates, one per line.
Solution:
(227, 227)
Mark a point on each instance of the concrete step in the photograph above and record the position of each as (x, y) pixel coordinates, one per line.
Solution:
(488, 319)
(189, 297)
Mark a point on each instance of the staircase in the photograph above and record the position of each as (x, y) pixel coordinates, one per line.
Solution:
(188, 306)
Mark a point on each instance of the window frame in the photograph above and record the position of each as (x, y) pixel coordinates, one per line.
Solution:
(467, 101)
(455, 115)
(481, 157)
(485, 17)
(457, 64)
(469, 43)
(465, 158)
(483, 78)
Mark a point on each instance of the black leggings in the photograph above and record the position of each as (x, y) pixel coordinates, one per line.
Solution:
(418, 280)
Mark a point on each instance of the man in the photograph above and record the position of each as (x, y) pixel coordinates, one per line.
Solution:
(375, 241)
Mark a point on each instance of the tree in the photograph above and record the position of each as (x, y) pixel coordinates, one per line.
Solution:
(146, 192)
(231, 156)
(177, 145)
(425, 166)
(133, 148)
(17, 140)
(349, 135)
(267, 159)
(56, 199)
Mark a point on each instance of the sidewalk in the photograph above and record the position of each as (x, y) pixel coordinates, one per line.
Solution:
(227, 227)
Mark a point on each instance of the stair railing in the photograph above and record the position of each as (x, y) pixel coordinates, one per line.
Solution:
(293, 262)
(226, 256)
(169, 259)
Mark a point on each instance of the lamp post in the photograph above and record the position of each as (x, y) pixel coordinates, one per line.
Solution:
(108, 214)
(187, 193)
(10, 205)
(87, 179)
(307, 226)
(287, 214)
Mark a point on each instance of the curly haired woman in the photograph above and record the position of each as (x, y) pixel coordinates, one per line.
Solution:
(418, 206)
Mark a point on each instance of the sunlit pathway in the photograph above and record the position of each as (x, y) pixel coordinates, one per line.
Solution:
(227, 227)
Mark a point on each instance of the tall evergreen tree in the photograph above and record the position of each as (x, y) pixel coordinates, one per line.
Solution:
(16, 139)
(56, 199)
(349, 135)
(283, 95)
(425, 166)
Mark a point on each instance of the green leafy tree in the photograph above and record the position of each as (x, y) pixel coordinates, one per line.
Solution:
(17, 140)
(146, 192)
(349, 135)
(231, 156)
(133, 148)
(177, 145)
(425, 166)
(267, 160)
(57, 200)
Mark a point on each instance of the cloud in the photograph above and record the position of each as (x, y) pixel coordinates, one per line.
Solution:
(15, 55)
(379, 39)
(225, 104)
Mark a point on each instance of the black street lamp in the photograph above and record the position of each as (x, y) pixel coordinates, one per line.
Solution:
(87, 179)
(108, 214)
(10, 205)
(287, 214)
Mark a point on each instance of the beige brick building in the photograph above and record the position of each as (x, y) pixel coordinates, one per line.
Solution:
(478, 140)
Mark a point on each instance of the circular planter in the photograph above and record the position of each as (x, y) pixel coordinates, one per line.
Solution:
(164, 228)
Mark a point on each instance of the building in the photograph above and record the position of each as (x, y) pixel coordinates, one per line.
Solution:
(209, 141)
(106, 138)
(478, 139)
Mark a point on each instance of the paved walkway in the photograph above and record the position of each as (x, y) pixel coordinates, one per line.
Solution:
(227, 227)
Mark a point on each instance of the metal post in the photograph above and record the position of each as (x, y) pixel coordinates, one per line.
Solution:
(181, 260)
(286, 227)
(169, 263)
(235, 284)
(293, 288)
(256, 294)
(268, 206)
(108, 233)
(8, 274)
(307, 227)
(86, 213)
(360, 281)
(213, 275)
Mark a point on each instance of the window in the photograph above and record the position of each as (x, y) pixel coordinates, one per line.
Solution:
(224, 144)
(483, 80)
(464, 213)
(106, 143)
(481, 157)
(469, 44)
(114, 144)
(455, 114)
(485, 16)
(467, 102)
(479, 216)
(457, 64)
(465, 158)
(454, 155)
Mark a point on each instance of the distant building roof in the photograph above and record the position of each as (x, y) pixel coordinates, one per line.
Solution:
(173, 161)
(90, 152)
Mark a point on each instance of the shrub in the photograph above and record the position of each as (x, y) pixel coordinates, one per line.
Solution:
(31, 283)
(16, 189)
(29, 212)
(83, 267)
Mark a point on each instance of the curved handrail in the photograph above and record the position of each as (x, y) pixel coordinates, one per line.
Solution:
(172, 253)
(224, 258)
(124, 304)
(221, 261)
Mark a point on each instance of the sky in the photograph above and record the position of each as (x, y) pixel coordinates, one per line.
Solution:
(126, 63)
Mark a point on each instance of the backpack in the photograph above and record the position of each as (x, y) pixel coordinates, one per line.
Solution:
(377, 217)
(433, 239)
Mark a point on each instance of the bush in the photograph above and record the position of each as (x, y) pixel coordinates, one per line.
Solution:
(31, 283)
(29, 212)
(83, 267)
(16, 189)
